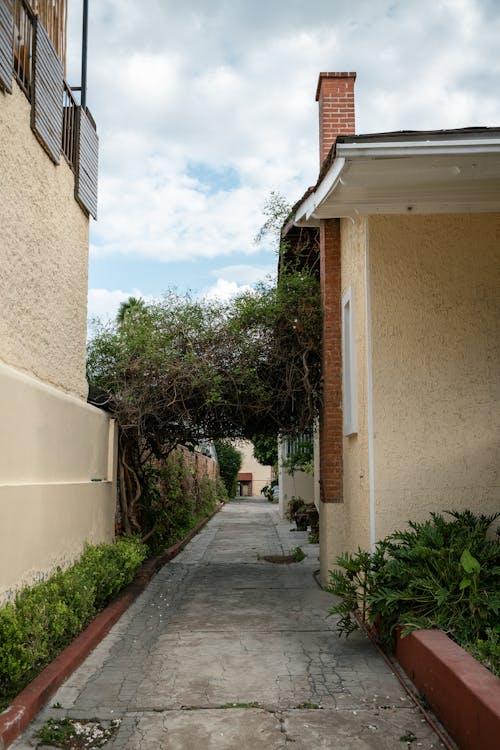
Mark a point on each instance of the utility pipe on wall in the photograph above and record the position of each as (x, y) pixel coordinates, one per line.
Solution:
(83, 99)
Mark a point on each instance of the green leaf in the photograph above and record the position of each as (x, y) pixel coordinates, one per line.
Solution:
(469, 563)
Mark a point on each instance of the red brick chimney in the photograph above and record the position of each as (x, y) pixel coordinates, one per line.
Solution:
(335, 94)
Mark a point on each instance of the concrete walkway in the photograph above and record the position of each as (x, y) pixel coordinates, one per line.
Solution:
(227, 651)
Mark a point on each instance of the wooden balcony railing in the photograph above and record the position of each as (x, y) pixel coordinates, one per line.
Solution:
(23, 44)
(28, 52)
(70, 114)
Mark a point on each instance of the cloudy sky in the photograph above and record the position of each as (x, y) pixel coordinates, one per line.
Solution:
(205, 107)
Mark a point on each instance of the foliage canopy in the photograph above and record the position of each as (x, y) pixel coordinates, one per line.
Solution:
(180, 370)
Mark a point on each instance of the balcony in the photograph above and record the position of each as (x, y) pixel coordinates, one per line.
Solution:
(33, 51)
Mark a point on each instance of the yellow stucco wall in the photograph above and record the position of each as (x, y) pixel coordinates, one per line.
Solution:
(52, 447)
(57, 453)
(435, 291)
(300, 484)
(43, 257)
(261, 475)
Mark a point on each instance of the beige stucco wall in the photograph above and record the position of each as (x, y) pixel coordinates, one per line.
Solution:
(52, 447)
(299, 484)
(43, 257)
(435, 291)
(345, 526)
(261, 475)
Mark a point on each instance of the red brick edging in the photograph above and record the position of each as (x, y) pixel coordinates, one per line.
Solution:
(25, 706)
(462, 693)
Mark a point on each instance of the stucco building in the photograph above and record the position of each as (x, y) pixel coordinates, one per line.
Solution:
(409, 226)
(57, 453)
(252, 476)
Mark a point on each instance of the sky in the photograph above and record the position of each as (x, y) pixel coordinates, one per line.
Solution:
(203, 108)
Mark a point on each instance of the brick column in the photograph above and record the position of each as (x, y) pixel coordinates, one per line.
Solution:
(331, 427)
(335, 96)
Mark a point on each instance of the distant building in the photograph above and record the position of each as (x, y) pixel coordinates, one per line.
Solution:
(252, 476)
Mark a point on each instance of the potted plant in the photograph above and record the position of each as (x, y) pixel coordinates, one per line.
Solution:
(300, 512)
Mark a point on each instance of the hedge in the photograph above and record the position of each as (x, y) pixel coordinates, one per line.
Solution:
(45, 617)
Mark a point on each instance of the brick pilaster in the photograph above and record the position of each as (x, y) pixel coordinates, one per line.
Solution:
(331, 429)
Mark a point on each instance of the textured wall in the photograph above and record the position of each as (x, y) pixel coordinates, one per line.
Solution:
(261, 475)
(52, 447)
(43, 257)
(435, 286)
(347, 525)
(298, 484)
(356, 477)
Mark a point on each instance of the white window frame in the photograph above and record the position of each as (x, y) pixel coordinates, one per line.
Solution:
(349, 377)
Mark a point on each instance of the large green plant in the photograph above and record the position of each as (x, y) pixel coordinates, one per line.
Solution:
(265, 449)
(442, 573)
(230, 460)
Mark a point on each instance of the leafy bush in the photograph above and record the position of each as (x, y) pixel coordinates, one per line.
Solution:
(175, 499)
(109, 567)
(265, 449)
(230, 461)
(46, 617)
(442, 573)
(487, 649)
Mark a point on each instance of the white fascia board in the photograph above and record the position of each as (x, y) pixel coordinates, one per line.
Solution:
(350, 152)
(326, 186)
(418, 148)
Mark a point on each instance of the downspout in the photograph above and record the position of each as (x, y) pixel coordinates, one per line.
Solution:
(83, 99)
(369, 383)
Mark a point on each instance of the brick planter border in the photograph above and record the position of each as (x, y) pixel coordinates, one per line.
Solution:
(462, 693)
(26, 705)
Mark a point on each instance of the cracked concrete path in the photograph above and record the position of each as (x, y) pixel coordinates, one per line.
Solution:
(226, 651)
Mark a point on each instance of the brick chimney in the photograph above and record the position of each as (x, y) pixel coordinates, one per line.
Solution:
(335, 94)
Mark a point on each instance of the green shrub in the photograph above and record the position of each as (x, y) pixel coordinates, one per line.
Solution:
(46, 617)
(230, 461)
(487, 649)
(109, 567)
(175, 500)
(442, 573)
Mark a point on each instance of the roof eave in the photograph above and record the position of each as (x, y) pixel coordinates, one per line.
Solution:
(311, 210)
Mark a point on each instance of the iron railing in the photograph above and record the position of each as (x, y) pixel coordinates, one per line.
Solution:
(300, 445)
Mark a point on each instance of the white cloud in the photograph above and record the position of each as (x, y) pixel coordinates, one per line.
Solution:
(104, 303)
(230, 85)
(245, 273)
(224, 290)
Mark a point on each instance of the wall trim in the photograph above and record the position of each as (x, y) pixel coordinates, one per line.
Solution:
(369, 388)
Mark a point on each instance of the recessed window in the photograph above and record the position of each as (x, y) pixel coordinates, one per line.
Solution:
(349, 383)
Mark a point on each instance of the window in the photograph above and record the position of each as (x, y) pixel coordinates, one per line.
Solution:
(349, 383)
